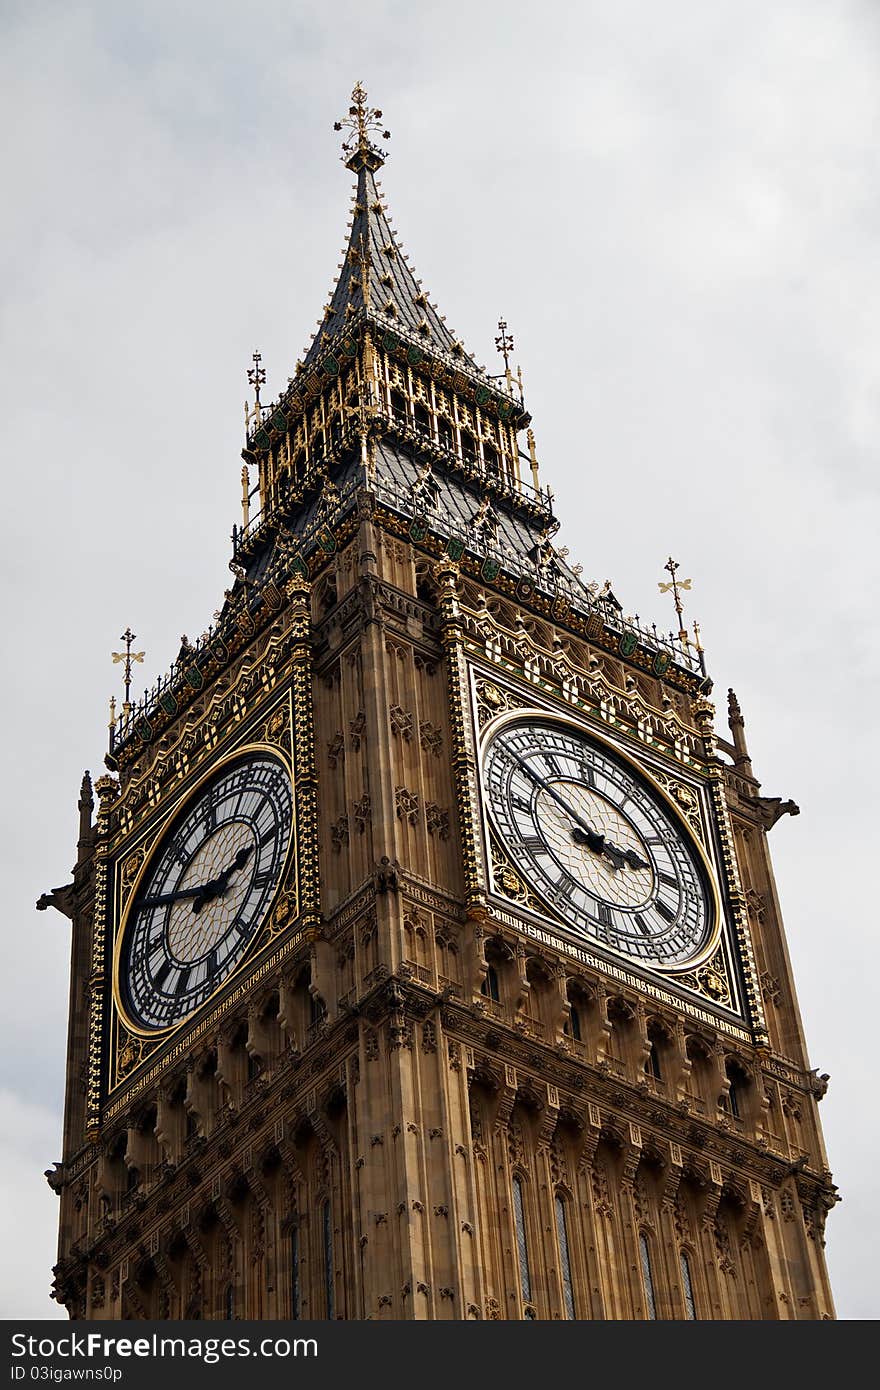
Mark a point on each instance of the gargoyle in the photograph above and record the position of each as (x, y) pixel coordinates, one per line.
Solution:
(773, 808)
(60, 898)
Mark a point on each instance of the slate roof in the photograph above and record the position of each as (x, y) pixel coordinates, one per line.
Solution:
(403, 301)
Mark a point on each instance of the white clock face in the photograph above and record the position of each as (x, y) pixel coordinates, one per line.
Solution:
(596, 841)
(206, 891)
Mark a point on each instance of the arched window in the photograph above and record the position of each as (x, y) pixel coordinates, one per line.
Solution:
(398, 407)
(687, 1288)
(489, 987)
(525, 1278)
(653, 1064)
(468, 446)
(422, 418)
(736, 1094)
(327, 1232)
(490, 458)
(647, 1278)
(564, 1258)
(294, 1273)
(444, 428)
(573, 1024)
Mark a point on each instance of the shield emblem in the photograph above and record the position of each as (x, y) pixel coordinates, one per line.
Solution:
(524, 590)
(661, 663)
(627, 644)
(489, 569)
(168, 703)
(418, 529)
(454, 549)
(144, 730)
(194, 678)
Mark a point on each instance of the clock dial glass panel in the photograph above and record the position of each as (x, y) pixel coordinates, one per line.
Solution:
(206, 892)
(597, 842)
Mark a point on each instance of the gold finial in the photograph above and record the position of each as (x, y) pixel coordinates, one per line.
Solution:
(533, 459)
(504, 344)
(358, 149)
(697, 643)
(112, 724)
(245, 496)
(676, 584)
(257, 378)
(128, 656)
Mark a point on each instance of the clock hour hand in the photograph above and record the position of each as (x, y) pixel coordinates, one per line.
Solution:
(162, 899)
(618, 856)
(217, 886)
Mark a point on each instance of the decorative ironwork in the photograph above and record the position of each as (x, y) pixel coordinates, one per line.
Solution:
(675, 584)
(358, 149)
(127, 657)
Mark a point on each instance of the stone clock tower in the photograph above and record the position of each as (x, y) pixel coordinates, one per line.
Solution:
(427, 961)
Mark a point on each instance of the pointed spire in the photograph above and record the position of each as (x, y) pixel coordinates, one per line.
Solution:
(737, 726)
(375, 273)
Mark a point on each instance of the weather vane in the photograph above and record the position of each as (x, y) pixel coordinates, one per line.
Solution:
(362, 121)
(504, 344)
(127, 657)
(257, 377)
(676, 584)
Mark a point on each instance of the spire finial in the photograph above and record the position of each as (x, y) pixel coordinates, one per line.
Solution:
(128, 656)
(676, 584)
(257, 378)
(358, 149)
(504, 344)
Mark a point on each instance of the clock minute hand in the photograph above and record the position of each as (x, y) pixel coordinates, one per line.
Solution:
(593, 839)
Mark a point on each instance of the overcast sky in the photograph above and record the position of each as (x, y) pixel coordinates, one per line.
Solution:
(675, 206)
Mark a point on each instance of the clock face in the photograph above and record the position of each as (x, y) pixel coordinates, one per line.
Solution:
(597, 841)
(206, 891)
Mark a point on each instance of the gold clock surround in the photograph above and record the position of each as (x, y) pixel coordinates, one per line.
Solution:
(156, 1035)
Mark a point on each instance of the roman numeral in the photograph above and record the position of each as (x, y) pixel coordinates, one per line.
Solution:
(268, 836)
(605, 915)
(262, 880)
(162, 974)
(669, 879)
(534, 844)
(642, 925)
(183, 981)
(665, 911)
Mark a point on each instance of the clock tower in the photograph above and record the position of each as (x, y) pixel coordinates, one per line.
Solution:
(427, 961)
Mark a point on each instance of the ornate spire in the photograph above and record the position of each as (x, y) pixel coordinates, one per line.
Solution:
(676, 585)
(126, 658)
(375, 274)
(358, 150)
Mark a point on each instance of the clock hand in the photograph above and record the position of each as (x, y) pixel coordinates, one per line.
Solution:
(217, 886)
(162, 898)
(618, 856)
(591, 837)
(583, 833)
